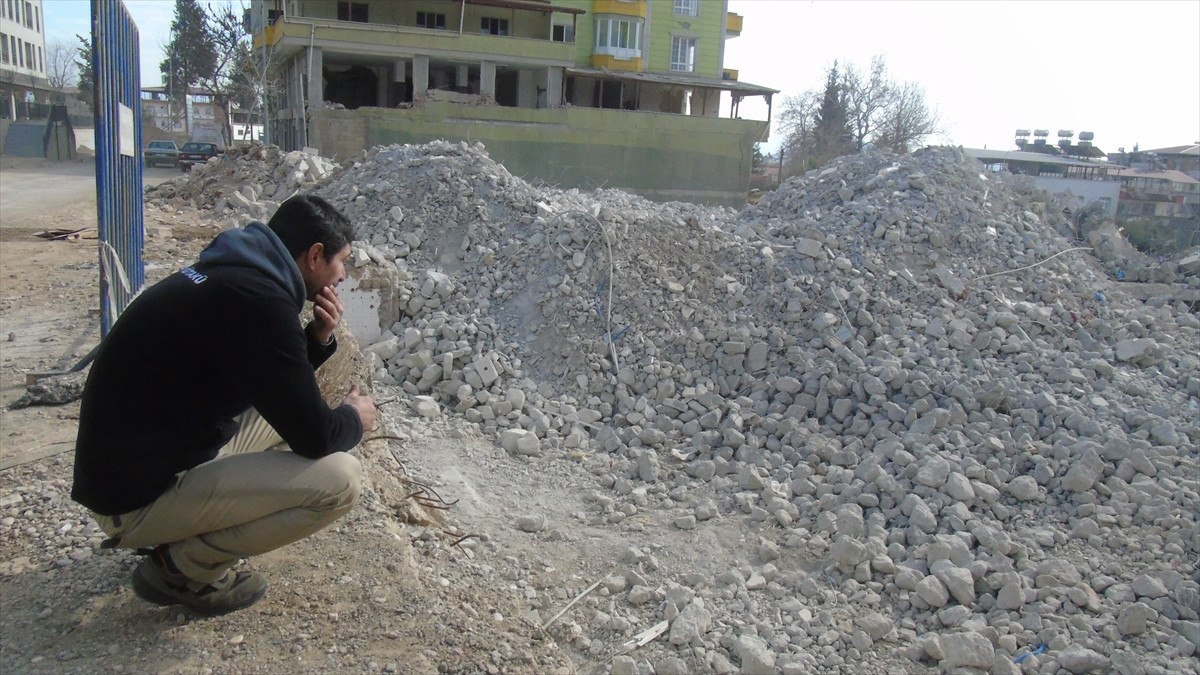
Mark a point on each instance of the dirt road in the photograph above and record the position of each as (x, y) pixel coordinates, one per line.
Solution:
(37, 195)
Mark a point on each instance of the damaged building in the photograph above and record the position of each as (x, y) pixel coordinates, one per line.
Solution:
(577, 93)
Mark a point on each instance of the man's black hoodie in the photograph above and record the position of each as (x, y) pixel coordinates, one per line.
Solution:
(187, 356)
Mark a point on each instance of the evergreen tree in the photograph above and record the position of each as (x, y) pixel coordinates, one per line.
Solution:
(191, 52)
(831, 124)
(83, 63)
(229, 76)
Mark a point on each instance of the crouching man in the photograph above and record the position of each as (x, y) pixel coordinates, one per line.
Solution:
(202, 372)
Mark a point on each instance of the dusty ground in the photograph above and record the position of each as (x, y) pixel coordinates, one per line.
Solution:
(385, 590)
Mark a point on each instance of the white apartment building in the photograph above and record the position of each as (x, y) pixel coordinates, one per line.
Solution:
(22, 57)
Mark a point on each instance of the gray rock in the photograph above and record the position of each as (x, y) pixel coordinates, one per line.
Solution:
(1146, 586)
(1077, 659)
(933, 592)
(965, 650)
(933, 472)
(755, 656)
(1133, 618)
(1010, 596)
(1024, 488)
(690, 627)
(875, 625)
(532, 523)
(957, 580)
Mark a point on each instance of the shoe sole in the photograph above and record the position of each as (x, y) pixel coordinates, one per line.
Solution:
(148, 592)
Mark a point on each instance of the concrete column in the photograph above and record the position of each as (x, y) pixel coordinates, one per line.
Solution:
(316, 80)
(526, 89)
(462, 76)
(554, 86)
(487, 78)
(381, 79)
(399, 73)
(420, 76)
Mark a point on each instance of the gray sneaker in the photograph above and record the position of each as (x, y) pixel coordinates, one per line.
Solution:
(232, 592)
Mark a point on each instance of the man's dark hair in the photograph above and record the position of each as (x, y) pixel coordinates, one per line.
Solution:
(304, 220)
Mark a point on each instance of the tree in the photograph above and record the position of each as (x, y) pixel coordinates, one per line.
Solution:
(191, 51)
(796, 123)
(83, 65)
(831, 130)
(756, 160)
(230, 74)
(853, 109)
(908, 119)
(259, 85)
(61, 70)
(867, 96)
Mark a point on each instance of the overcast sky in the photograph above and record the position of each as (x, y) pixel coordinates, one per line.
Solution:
(1127, 71)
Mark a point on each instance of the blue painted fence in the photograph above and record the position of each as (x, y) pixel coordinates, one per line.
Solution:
(115, 66)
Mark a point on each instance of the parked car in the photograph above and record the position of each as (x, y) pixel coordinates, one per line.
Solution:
(195, 153)
(161, 152)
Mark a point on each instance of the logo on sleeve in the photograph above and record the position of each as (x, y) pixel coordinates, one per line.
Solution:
(196, 277)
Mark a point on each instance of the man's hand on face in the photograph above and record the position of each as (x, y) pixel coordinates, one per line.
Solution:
(327, 312)
(364, 405)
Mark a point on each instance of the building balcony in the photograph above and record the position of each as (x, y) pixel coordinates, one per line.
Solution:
(620, 7)
(733, 24)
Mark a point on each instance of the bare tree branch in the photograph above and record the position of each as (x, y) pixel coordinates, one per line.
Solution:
(61, 70)
(909, 119)
(867, 98)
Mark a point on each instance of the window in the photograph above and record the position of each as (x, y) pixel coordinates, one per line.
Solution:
(431, 20)
(490, 26)
(621, 38)
(29, 15)
(563, 33)
(683, 54)
(41, 61)
(687, 7)
(37, 20)
(3, 48)
(352, 11)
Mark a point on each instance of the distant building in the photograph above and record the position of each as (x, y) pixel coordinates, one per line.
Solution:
(198, 116)
(1089, 180)
(24, 90)
(1164, 195)
(179, 114)
(1184, 158)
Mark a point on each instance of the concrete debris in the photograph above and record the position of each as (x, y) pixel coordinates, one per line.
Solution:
(897, 369)
(53, 390)
(244, 182)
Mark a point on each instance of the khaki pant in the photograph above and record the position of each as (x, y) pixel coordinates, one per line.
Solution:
(243, 503)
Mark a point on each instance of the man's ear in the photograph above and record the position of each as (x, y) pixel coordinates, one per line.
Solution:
(314, 253)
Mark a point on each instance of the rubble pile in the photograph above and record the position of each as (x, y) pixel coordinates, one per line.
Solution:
(244, 182)
(961, 445)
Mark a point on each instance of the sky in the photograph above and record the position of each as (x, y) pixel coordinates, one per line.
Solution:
(1128, 71)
